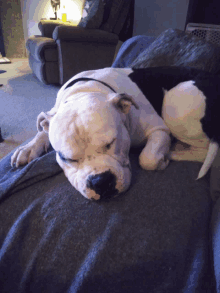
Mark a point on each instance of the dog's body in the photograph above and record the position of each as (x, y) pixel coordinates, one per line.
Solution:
(93, 124)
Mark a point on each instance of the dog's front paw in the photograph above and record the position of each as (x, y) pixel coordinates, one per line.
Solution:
(159, 162)
(163, 163)
(27, 153)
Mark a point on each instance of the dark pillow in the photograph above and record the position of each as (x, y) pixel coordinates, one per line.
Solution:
(177, 48)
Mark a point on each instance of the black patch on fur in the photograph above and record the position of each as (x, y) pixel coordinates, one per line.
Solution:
(103, 184)
(152, 81)
(211, 121)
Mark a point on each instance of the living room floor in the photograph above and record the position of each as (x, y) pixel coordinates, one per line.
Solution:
(22, 98)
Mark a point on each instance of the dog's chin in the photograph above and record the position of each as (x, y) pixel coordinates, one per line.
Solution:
(99, 180)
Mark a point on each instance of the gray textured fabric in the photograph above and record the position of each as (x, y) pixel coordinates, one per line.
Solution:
(51, 71)
(38, 68)
(14, 179)
(47, 27)
(215, 221)
(175, 47)
(130, 50)
(119, 18)
(92, 14)
(78, 34)
(119, 9)
(118, 26)
(153, 237)
(37, 45)
(51, 55)
(46, 72)
(215, 178)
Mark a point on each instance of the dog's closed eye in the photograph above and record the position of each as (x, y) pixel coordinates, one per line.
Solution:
(62, 157)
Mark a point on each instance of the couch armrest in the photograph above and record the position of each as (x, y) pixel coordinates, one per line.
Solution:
(47, 27)
(36, 46)
(79, 34)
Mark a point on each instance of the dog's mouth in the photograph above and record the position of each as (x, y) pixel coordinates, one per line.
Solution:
(102, 178)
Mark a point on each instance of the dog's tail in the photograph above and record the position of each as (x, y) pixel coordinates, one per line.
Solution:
(211, 154)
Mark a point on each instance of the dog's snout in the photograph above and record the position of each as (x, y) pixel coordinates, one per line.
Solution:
(103, 184)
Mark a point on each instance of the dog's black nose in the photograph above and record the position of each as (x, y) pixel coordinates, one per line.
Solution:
(103, 184)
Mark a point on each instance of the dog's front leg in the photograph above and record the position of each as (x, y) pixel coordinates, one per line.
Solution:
(154, 156)
(34, 149)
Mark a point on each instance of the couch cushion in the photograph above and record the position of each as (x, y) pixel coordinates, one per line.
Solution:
(175, 47)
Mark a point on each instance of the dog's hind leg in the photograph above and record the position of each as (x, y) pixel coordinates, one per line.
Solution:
(192, 153)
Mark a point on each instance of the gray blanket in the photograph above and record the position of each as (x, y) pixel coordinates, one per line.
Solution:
(177, 48)
(14, 179)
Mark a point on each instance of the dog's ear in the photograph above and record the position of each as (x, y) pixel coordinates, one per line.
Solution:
(43, 121)
(123, 102)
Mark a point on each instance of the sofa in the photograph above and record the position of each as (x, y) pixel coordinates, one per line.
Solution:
(162, 235)
(63, 50)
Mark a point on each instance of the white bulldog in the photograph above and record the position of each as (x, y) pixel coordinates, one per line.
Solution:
(100, 114)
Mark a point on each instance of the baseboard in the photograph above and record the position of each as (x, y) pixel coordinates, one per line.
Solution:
(4, 60)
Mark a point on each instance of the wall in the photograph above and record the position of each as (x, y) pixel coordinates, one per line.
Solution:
(12, 28)
(153, 17)
(34, 10)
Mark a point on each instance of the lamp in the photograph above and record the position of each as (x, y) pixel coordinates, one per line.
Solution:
(60, 8)
(55, 4)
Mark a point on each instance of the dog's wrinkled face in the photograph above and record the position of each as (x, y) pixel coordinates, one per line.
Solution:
(92, 144)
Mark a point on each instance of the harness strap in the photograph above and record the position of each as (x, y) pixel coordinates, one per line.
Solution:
(88, 79)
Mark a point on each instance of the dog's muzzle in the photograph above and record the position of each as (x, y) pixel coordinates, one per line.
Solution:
(103, 184)
(102, 178)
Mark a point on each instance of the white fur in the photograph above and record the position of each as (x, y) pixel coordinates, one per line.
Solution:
(183, 108)
(211, 154)
(87, 117)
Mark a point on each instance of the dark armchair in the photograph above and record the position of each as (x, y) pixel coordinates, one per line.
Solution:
(63, 50)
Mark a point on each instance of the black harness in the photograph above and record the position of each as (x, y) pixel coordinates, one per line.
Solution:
(88, 79)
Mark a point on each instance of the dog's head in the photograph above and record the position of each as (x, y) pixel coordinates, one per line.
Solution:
(91, 139)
